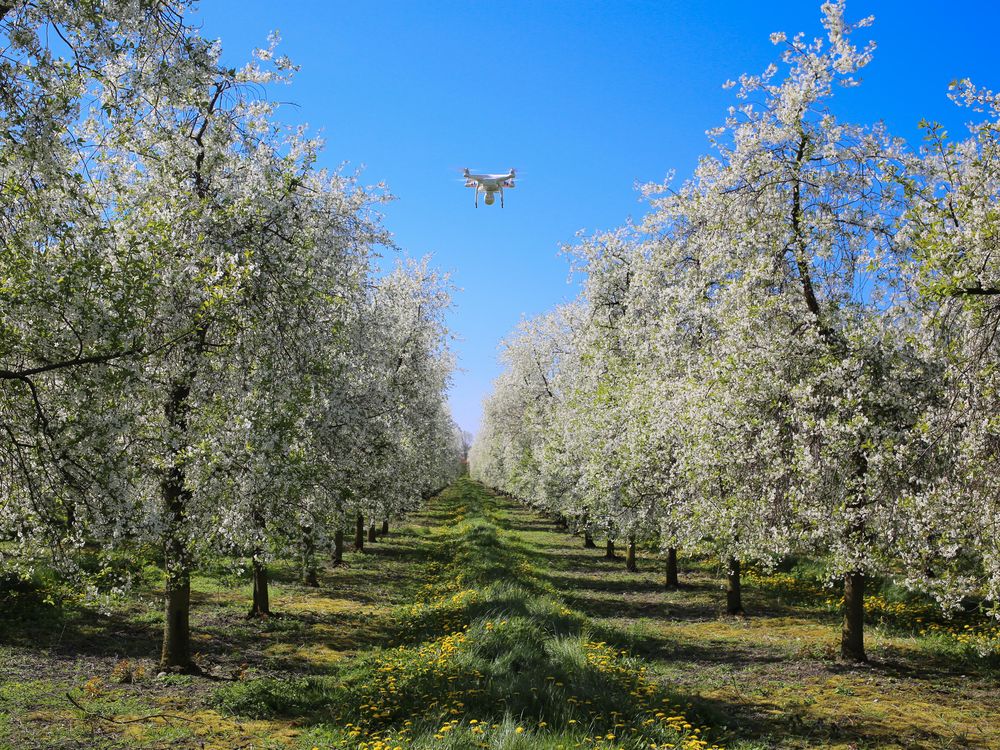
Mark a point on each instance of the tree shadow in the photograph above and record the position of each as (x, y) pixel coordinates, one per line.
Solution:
(66, 630)
(806, 725)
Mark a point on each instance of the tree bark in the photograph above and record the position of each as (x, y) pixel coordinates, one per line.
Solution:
(309, 575)
(588, 540)
(609, 549)
(385, 527)
(672, 581)
(630, 563)
(359, 534)
(70, 515)
(734, 594)
(338, 546)
(261, 599)
(852, 636)
(371, 532)
(175, 652)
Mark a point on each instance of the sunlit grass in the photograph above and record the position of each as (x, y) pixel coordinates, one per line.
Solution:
(477, 620)
(490, 658)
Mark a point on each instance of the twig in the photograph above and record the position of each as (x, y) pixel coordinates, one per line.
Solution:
(736, 687)
(126, 721)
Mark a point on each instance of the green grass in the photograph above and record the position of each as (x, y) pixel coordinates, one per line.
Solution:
(490, 657)
(773, 678)
(478, 619)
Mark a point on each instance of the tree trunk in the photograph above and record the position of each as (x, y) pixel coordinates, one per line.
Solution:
(385, 527)
(734, 594)
(630, 564)
(609, 550)
(175, 653)
(852, 636)
(672, 582)
(261, 599)
(309, 576)
(338, 546)
(588, 540)
(70, 512)
(371, 532)
(359, 534)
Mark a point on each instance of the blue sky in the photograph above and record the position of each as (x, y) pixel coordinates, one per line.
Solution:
(584, 98)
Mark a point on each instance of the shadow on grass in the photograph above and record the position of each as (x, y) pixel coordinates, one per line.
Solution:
(66, 630)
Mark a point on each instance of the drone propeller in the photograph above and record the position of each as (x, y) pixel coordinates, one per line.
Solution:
(462, 173)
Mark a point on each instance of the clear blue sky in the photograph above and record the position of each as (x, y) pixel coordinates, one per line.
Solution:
(585, 98)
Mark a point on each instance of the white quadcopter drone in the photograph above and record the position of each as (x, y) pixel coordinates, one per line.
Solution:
(491, 184)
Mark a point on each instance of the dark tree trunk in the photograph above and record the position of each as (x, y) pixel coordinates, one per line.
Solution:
(371, 532)
(852, 637)
(630, 563)
(175, 653)
(70, 514)
(338, 547)
(672, 581)
(385, 527)
(734, 594)
(359, 534)
(609, 550)
(309, 576)
(261, 599)
(588, 540)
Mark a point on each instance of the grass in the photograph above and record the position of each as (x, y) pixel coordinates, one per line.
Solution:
(480, 624)
(488, 657)
(772, 679)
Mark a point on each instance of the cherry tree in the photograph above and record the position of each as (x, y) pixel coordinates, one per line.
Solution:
(72, 76)
(194, 350)
(950, 255)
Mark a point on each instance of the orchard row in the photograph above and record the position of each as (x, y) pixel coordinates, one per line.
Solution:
(797, 351)
(198, 348)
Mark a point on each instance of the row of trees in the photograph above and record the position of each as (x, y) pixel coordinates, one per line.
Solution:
(196, 348)
(796, 351)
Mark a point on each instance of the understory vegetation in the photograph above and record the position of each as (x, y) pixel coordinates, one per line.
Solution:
(483, 624)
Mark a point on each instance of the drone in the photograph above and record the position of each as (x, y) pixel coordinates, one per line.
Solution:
(491, 184)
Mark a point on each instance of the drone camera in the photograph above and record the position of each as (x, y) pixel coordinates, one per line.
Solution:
(490, 198)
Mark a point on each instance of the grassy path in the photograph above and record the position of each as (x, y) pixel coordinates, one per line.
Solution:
(490, 657)
(480, 624)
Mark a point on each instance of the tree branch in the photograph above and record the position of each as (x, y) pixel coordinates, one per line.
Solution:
(976, 291)
(95, 359)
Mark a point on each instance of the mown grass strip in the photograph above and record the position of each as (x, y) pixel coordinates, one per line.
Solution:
(490, 658)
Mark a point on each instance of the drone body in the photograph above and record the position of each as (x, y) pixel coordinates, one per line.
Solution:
(490, 184)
